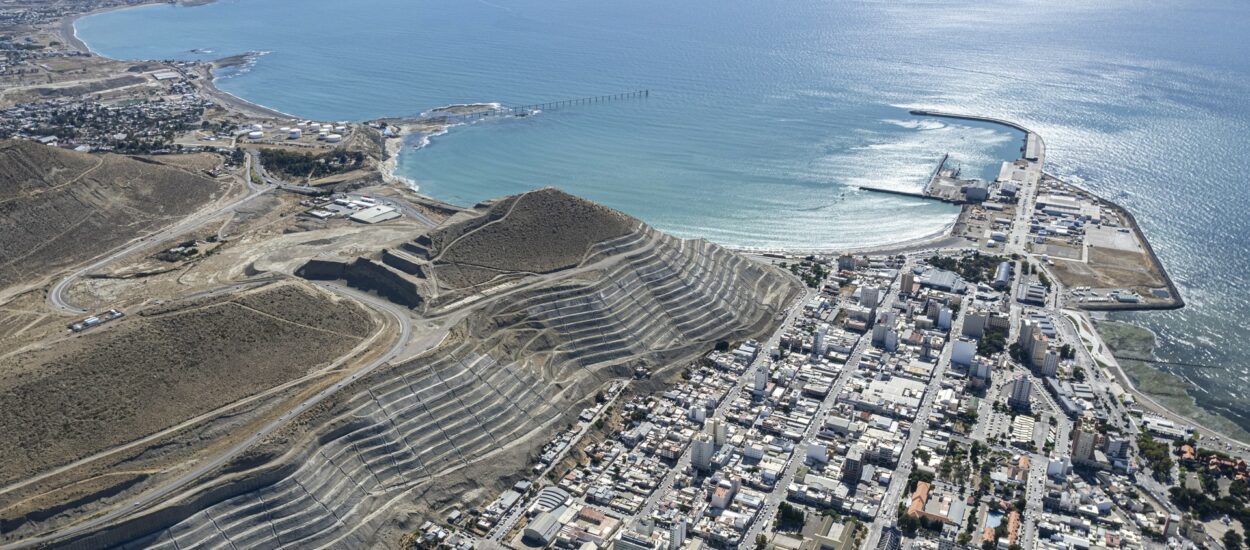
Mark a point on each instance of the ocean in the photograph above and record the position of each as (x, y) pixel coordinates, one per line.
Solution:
(764, 119)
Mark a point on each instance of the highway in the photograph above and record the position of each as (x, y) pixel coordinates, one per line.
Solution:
(157, 494)
(411, 212)
(56, 296)
(303, 189)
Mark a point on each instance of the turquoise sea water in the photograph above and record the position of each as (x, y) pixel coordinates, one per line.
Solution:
(764, 116)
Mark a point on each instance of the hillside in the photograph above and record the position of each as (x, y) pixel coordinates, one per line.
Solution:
(590, 294)
(536, 232)
(152, 370)
(60, 208)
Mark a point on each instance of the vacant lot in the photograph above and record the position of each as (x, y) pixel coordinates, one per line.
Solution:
(147, 373)
(59, 208)
(1110, 268)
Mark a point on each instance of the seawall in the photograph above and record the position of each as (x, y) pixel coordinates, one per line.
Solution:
(1176, 301)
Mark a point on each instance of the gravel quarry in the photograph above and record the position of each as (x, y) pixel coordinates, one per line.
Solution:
(508, 361)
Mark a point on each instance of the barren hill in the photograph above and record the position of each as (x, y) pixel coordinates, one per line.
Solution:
(150, 371)
(539, 232)
(59, 208)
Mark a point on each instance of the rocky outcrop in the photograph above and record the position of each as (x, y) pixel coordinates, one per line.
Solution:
(365, 274)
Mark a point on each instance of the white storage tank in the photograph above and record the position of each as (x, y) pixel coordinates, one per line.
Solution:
(334, 138)
(255, 134)
(295, 134)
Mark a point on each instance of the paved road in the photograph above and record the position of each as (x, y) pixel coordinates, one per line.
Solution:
(748, 376)
(403, 205)
(156, 495)
(56, 297)
(888, 510)
(506, 523)
(799, 456)
(411, 211)
(1035, 489)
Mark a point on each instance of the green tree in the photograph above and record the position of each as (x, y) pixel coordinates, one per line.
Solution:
(789, 517)
(1232, 540)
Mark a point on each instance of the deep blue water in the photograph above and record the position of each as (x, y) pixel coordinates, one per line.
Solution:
(764, 116)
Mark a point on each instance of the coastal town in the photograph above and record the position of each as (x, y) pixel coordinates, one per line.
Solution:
(952, 392)
(932, 399)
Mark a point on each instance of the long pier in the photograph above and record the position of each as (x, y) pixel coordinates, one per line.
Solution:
(936, 172)
(526, 110)
(636, 94)
(924, 192)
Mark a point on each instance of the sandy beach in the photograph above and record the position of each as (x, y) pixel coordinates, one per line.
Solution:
(69, 36)
(394, 145)
(941, 238)
(233, 102)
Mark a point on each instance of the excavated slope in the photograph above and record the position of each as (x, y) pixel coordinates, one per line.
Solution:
(453, 426)
(145, 373)
(59, 208)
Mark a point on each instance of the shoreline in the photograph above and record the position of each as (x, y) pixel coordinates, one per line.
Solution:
(1153, 402)
(67, 28)
(942, 238)
(1175, 300)
(392, 147)
(68, 31)
(229, 101)
(405, 126)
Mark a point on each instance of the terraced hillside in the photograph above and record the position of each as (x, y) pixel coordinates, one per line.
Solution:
(124, 381)
(59, 208)
(456, 424)
(507, 240)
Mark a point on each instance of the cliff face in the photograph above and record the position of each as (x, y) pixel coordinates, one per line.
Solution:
(59, 208)
(573, 304)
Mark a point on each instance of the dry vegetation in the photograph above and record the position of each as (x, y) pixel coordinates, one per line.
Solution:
(59, 208)
(540, 232)
(1110, 268)
(149, 372)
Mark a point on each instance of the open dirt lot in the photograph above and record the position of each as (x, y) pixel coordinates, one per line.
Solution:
(1109, 268)
(90, 392)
